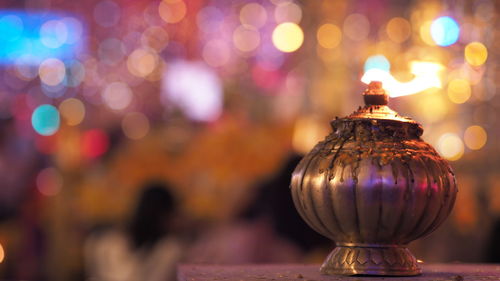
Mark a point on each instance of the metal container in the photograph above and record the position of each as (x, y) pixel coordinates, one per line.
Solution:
(373, 186)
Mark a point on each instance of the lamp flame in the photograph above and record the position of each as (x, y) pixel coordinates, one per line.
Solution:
(426, 77)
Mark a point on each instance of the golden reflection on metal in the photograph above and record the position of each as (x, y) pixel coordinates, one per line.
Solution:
(373, 186)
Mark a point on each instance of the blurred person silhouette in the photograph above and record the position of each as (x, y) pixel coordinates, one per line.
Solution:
(145, 249)
(268, 230)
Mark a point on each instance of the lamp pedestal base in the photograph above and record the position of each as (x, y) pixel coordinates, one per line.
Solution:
(390, 260)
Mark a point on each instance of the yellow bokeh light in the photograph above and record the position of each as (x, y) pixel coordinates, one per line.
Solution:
(450, 146)
(253, 14)
(476, 53)
(425, 33)
(288, 37)
(172, 11)
(142, 62)
(135, 125)
(459, 90)
(329, 36)
(475, 137)
(434, 105)
(52, 71)
(398, 30)
(73, 111)
(246, 38)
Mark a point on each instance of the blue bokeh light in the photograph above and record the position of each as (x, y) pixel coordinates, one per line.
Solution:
(377, 62)
(445, 31)
(30, 38)
(45, 120)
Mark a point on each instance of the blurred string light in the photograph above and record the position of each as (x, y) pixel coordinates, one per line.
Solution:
(246, 38)
(193, 87)
(72, 111)
(172, 11)
(107, 13)
(49, 181)
(135, 125)
(253, 14)
(459, 90)
(288, 37)
(142, 62)
(94, 143)
(398, 30)
(450, 146)
(287, 11)
(445, 31)
(117, 95)
(475, 137)
(377, 62)
(45, 120)
(356, 27)
(475, 53)
(329, 36)
(426, 76)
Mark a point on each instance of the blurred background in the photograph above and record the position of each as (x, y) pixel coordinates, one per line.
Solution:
(217, 100)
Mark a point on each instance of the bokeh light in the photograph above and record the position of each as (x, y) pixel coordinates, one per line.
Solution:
(356, 27)
(195, 88)
(398, 30)
(117, 95)
(155, 37)
(459, 90)
(433, 107)
(253, 14)
(52, 71)
(172, 11)
(11, 28)
(135, 125)
(49, 181)
(450, 146)
(476, 53)
(94, 143)
(142, 62)
(45, 120)
(246, 38)
(475, 137)
(73, 111)
(216, 52)
(445, 31)
(377, 62)
(288, 37)
(75, 73)
(107, 13)
(111, 51)
(287, 11)
(329, 35)
(53, 33)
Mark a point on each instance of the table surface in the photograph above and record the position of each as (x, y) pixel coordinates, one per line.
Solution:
(298, 272)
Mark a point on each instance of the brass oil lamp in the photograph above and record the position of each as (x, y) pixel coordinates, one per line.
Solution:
(373, 186)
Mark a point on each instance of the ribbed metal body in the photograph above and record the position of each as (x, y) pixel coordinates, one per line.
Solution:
(373, 186)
